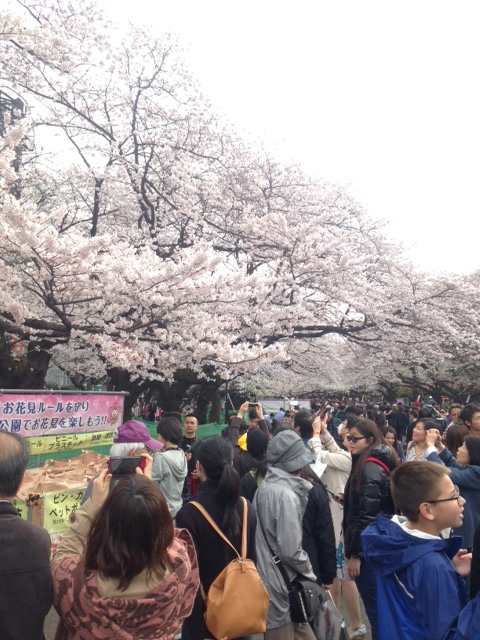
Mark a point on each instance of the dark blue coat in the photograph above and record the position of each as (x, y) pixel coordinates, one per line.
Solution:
(420, 596)
(467, 480)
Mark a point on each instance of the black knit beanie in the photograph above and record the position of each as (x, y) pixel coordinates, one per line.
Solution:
(257, 443)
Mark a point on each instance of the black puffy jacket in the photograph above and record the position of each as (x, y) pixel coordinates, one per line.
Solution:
(362, 504)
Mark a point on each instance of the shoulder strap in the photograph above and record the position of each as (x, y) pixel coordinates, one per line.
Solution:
(275, 559)
(244, 528)
(212, 523)
(382, 464)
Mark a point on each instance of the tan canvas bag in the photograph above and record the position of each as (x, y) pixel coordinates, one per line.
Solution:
(237, 601)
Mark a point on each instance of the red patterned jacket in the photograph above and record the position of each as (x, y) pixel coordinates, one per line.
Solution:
(86, 615)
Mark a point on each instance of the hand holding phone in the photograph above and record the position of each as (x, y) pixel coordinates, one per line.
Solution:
(101, 487)
(338, 497)
(243, 409)
(125, 465)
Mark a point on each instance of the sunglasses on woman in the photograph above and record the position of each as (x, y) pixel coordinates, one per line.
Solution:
(354, 439)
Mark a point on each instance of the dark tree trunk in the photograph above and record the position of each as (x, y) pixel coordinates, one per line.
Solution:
(28, 371)
(201, 409)
(12, 370)
(389, 391)
(216, 406)
(120, 380)
(168, 395)
(208, 398)
(39, 361)
(171, 395)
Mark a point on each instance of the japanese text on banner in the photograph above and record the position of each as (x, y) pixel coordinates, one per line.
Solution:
(39, 415)
(69, 442)
(58, 506)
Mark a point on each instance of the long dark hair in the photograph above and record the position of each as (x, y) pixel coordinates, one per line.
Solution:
(131, 532)
(215, 454)
(370, 430)
(389, 429)
(380, 420)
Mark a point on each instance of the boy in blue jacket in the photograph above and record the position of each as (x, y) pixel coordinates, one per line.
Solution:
(420, 588)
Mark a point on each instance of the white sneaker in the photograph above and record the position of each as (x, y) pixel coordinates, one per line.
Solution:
(359, 633)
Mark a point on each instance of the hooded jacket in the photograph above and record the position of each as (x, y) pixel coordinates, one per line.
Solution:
(280, 503)
(362, 503)
(419, 593)
(169, 471)
(145, 610)
(468, 481)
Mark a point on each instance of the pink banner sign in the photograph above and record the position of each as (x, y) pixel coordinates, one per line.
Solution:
(33, 415)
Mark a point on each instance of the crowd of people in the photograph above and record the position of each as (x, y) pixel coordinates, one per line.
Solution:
(147, 410)
(374, 502)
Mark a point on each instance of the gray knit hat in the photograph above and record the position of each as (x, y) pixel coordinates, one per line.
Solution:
(287, 452)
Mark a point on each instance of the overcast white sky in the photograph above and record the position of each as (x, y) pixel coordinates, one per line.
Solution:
(381, 95)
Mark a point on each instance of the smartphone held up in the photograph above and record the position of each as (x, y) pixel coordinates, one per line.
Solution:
(125, 465)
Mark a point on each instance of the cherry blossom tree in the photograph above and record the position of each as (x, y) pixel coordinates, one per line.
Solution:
(428, 343)
(149, 239)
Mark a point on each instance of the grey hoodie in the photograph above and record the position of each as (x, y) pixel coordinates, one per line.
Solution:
(280, 503)
(169, 471)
